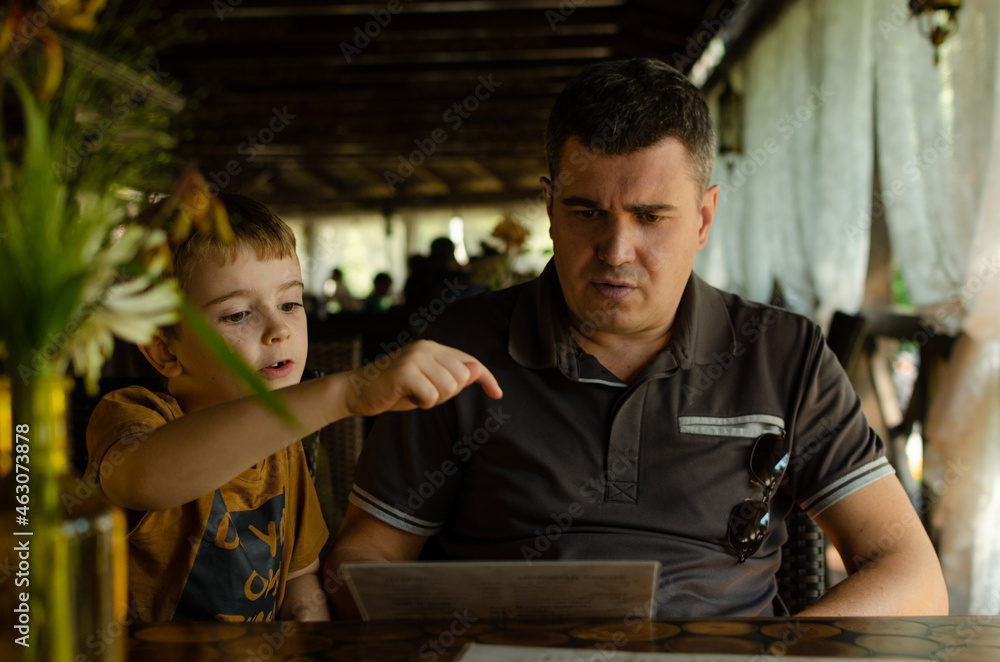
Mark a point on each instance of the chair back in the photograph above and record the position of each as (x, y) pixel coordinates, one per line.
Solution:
(333, 452)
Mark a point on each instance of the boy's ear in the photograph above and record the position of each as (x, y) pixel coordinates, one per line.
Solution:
(158, 353)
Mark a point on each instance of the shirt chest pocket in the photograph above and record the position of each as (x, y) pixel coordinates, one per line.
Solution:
(707, 470)
(749, 426)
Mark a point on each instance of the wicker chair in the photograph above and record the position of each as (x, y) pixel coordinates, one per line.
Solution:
(332, 453)
(802, 576)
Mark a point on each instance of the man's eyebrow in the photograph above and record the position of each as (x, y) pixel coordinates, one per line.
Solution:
(580, 201)
(650, 207)
(638, 208)
(243, 293)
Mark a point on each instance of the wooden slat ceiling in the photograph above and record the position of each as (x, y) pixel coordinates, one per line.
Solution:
(408, 95)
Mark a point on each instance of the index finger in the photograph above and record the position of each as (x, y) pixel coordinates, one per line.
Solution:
(478, 373)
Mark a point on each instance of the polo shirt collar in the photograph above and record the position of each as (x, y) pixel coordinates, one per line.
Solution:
(702, 332)
(537, 335)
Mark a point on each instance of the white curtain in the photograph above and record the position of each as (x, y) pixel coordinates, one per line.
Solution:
(805, 167)
(819, 85)
(963, 427)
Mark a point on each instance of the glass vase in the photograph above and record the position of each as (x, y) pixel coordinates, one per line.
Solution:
(65, 543)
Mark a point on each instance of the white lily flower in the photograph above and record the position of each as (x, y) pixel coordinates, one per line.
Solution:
(133, 311)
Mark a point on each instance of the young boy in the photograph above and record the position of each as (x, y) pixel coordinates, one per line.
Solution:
(224, 522)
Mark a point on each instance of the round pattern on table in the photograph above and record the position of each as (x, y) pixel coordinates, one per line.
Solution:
(521, 637)
(540, 625)
(471, 628)
(791, 632)
(172, 652)
(638, 631)
(274, 644)
(190, 633)
(376, 651)
(818, 648)
(975, 654)
(378, 630)
(712, 645)
(972, 634)
(721, 628)
(895, 626)
(897, 645)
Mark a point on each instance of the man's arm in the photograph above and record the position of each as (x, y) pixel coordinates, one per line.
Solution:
(364, 539)
(304, 597)
(891, 564)
(209, 447)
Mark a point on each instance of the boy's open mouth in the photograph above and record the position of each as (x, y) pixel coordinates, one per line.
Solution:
(279, 364)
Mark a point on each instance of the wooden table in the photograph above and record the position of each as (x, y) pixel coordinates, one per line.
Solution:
(949, 639)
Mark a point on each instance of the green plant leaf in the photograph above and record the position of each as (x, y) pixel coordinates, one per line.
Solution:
(232, 361)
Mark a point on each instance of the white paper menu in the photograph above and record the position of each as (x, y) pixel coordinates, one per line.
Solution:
(503, 589)
(491, 653)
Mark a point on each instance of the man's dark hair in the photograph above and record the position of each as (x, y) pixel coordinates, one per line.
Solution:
(622, 106)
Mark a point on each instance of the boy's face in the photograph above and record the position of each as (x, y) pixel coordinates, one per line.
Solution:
(257, 307)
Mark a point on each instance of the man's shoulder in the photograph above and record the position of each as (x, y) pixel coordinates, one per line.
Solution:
(475, 320)
(763, 315)
(766, 330)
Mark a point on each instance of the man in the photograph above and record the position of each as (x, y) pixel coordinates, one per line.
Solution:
(646, 415)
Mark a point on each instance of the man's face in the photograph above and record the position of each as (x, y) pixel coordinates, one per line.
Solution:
(625, 231)
(257, 307)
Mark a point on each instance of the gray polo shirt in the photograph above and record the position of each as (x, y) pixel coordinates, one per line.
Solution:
(574, 464)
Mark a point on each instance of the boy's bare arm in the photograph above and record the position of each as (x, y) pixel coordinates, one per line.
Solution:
(304, 597)
(200, 451)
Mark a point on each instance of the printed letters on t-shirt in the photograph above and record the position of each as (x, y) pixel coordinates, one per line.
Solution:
(238, 549)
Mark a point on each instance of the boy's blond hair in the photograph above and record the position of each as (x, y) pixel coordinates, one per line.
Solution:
(255, 227)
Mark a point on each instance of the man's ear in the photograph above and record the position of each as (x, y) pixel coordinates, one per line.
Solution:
(708, 203)
(158, 353)
(547, 192)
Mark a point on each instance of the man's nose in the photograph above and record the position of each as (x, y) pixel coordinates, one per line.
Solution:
(617, 242)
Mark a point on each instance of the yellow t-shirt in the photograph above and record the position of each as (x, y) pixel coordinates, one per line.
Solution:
(224, 556)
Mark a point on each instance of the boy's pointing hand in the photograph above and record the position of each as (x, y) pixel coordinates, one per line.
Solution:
(424, 374)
